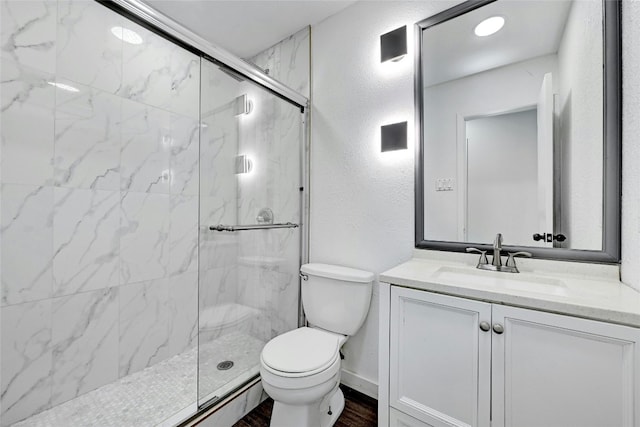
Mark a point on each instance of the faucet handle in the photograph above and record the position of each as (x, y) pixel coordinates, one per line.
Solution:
(511, 262)
(483, 255)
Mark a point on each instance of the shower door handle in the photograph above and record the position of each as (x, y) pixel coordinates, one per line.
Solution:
(221, 227)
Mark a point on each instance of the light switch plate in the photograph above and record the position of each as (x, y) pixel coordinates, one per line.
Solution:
(444, 184)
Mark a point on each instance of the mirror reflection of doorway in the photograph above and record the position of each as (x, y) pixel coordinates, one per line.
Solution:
(502, 176)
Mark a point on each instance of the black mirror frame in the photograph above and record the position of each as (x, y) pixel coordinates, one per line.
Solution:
(612, 135)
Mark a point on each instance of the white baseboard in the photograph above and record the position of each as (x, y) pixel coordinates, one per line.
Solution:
(358, 383)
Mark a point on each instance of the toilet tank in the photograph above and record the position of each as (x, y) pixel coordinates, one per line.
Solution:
(336, 298)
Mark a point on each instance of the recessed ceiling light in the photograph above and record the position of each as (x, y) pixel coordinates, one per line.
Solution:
(126, 35)
(489, 26)
(63, 86)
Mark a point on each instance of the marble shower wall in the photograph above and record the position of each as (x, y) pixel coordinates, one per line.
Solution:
(252, 274)
(289, 61)
(268, 261)
(98, 202)
(218, 193)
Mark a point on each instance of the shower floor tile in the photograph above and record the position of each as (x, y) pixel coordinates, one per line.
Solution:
(243, 350)
(155, 394)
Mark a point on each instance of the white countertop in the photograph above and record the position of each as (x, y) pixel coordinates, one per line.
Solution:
(578, 293)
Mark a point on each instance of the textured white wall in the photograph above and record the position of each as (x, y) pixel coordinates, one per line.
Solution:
(362, 206)
(631, 144)
(362, 199)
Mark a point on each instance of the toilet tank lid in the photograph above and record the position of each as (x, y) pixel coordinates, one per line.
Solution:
(338, 272)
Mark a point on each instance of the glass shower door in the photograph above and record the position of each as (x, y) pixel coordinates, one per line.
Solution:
(250, 175)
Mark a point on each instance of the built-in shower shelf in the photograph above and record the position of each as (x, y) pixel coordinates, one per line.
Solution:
(225, 316)
(261, 261)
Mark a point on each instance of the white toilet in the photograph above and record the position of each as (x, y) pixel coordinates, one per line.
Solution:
(301, 369)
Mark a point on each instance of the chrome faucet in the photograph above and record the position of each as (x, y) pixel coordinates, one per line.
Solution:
(496, 262)
(497, 247)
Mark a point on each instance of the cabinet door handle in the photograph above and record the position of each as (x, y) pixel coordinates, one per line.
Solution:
(498, 328)
(485, 326)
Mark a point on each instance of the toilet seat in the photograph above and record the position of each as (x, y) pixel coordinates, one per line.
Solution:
(301, 352)
(277, 379)
(301, 358)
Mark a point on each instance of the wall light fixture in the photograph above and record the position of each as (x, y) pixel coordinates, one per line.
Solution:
(243, 164)
(393, 137)
(242, 105)
(393, 45)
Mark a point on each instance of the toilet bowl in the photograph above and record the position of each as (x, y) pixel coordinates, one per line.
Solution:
(300, 369)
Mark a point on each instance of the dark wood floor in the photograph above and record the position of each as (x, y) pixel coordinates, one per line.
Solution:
(359, 411)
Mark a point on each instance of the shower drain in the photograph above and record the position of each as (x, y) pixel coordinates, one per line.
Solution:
(223, 366)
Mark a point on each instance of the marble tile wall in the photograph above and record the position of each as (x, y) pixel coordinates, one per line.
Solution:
(269, 280)
(257, 269)
(288, 61)
(218, 188)
(250, 279)
(98, 201)
(269, 260)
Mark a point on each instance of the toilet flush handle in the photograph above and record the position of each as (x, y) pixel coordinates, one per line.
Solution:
(304, 276)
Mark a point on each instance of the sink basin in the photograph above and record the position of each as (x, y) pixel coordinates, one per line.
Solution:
(506, 281)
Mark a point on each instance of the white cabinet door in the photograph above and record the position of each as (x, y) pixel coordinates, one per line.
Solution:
(557, 371)
(400, 419)
(439, 358)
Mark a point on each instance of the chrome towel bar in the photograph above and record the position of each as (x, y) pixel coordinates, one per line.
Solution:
(221, 227)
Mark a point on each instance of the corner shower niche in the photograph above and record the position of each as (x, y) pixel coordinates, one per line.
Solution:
(116, 299)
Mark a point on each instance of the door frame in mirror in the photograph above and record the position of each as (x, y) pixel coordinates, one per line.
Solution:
(612, 150)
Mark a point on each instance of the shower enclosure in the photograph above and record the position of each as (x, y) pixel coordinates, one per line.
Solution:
(151, 216)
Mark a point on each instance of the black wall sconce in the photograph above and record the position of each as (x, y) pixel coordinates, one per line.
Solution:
(393, 137)
(393, 45)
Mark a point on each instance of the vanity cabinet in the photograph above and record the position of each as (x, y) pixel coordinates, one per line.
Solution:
(459, 362)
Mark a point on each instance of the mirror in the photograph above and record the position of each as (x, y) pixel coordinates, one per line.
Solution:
(518, 113)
